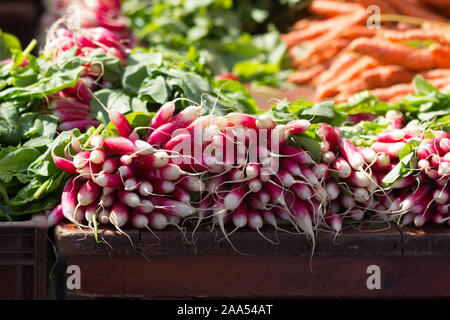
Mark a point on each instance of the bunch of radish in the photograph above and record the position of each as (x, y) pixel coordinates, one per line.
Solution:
(71, 105)
(357, 190)
(254, 177)
(124, 179)
(424, 195)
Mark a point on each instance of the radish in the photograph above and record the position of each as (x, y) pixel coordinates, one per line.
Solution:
(441, 196)
(145, 207)
(255, 185)
(163, 187)
(297, 126)
(107, 200)
(342, 167)
(332, 189)
(239, 216)
(69, 198)
(334, 221)
(97, 142)
(119, 145)
(163, 114)
(98, 156)
(351, 154)
(154, 161)
(103, 216)
(81, 159)
(126, 172)
(162, 134)
(121, 123)
(328, 157)
(254, 219)
(119, 214)
(110, 165)
(131, 184)
(145, 188)
(88, 193)
(157, 220)
(181, 195)
(234, 198)
(55, 216)
(302, 217)
(173, 207)
(296, 154)
(130, 199)
(357, 214)
(411, 200)
(391, 149)
(63, 164)
(328, 134)
(109, 180)
(302, 191)
(191, 183)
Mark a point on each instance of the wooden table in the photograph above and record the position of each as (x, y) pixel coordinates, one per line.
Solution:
(411, 262)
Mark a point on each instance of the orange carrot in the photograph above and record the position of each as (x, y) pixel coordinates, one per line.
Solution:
(436, 73)
(323, 42)
(396, 91)
(357, 32)
(295, 37)
(416, 10)
(331, 88)
(305, 76)
(326, 8)
(377, 77)
(394, 53)
(416, 34)
(441, 55)
(341, 63)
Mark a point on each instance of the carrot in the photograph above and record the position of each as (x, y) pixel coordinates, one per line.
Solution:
(403, 89)
(334, 47)
(416, 34)
(329, 89)
(323, 41)
(441, 55)
(394, 53)
(385, 6)
(305, 76)
(436, 73)
(416, 9)
(295, 37)
(381, 76)
(327, 9)
(340, 63)
(357, 31)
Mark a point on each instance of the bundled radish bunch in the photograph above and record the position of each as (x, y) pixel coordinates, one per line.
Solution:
(124, 179)
(91, 14)
(105, 33)
(360, 186)
(254, 176)
(424, 194)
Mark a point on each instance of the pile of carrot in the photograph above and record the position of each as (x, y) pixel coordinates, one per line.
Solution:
(339, 54)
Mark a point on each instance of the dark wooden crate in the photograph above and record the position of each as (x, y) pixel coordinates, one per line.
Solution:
(23, 259)
(212, 268)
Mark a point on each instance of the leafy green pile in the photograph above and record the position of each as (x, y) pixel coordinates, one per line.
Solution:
(28, 176)
(152, 78)
(217, 28)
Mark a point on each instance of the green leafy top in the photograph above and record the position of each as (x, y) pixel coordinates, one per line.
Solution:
(217, 28)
